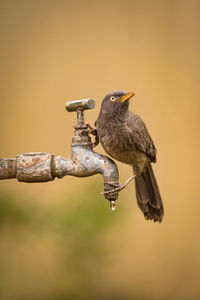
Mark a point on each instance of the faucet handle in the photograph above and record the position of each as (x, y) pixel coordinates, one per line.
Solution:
(81, 104)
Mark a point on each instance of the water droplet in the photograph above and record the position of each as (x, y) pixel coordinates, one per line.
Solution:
(112, 205)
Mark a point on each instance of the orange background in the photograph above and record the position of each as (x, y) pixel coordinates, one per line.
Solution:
(54, 51)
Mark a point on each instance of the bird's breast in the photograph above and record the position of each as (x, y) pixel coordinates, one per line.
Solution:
(117, 143)
(120, 145)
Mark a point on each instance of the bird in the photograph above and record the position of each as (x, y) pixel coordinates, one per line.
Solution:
(124, 137)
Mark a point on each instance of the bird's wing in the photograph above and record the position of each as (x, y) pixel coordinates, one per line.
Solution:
(140, 136)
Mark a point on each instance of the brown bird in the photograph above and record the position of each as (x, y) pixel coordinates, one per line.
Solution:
(125, 137)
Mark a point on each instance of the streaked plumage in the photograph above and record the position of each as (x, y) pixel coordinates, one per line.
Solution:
(125, 137)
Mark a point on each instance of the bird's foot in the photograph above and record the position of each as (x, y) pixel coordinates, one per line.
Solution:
(93, 131)
(118, 187)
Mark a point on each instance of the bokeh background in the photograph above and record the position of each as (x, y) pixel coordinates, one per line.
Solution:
(59, 240)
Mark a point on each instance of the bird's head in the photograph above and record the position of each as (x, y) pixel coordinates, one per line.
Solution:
(116, 101)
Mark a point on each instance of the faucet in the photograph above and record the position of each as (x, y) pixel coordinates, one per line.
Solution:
(43, 167)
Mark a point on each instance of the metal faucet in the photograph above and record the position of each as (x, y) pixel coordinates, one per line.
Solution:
(42, 167)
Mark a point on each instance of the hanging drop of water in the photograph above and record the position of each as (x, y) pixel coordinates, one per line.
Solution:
(112, 205)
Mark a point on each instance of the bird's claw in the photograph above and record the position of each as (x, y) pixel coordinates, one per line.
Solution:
(118, 188)
(93, 131)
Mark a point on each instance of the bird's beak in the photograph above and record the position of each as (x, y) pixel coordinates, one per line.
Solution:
(127, 96)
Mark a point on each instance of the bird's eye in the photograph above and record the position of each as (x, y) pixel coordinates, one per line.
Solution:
(112, 98)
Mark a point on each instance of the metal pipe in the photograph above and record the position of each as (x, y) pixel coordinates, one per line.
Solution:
(85, 162)
(7, 168)
(42, 167)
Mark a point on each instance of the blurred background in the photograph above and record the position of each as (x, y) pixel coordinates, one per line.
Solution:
(59, 240)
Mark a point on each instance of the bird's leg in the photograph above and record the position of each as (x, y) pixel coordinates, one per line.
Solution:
(93, 131)
(118, 187)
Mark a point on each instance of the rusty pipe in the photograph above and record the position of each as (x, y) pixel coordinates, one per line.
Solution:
(85, 162)
(43, 167)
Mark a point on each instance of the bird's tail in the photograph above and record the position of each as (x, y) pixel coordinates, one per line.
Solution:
(148, 195)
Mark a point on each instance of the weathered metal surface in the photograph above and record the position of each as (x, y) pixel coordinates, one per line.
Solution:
(7, 168)
(81, 104)
(85, 162)
(34, 167)
(80, 117)
(41, 167)
(81, 137)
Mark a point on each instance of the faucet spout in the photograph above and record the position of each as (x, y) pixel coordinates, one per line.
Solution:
(85, 162)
